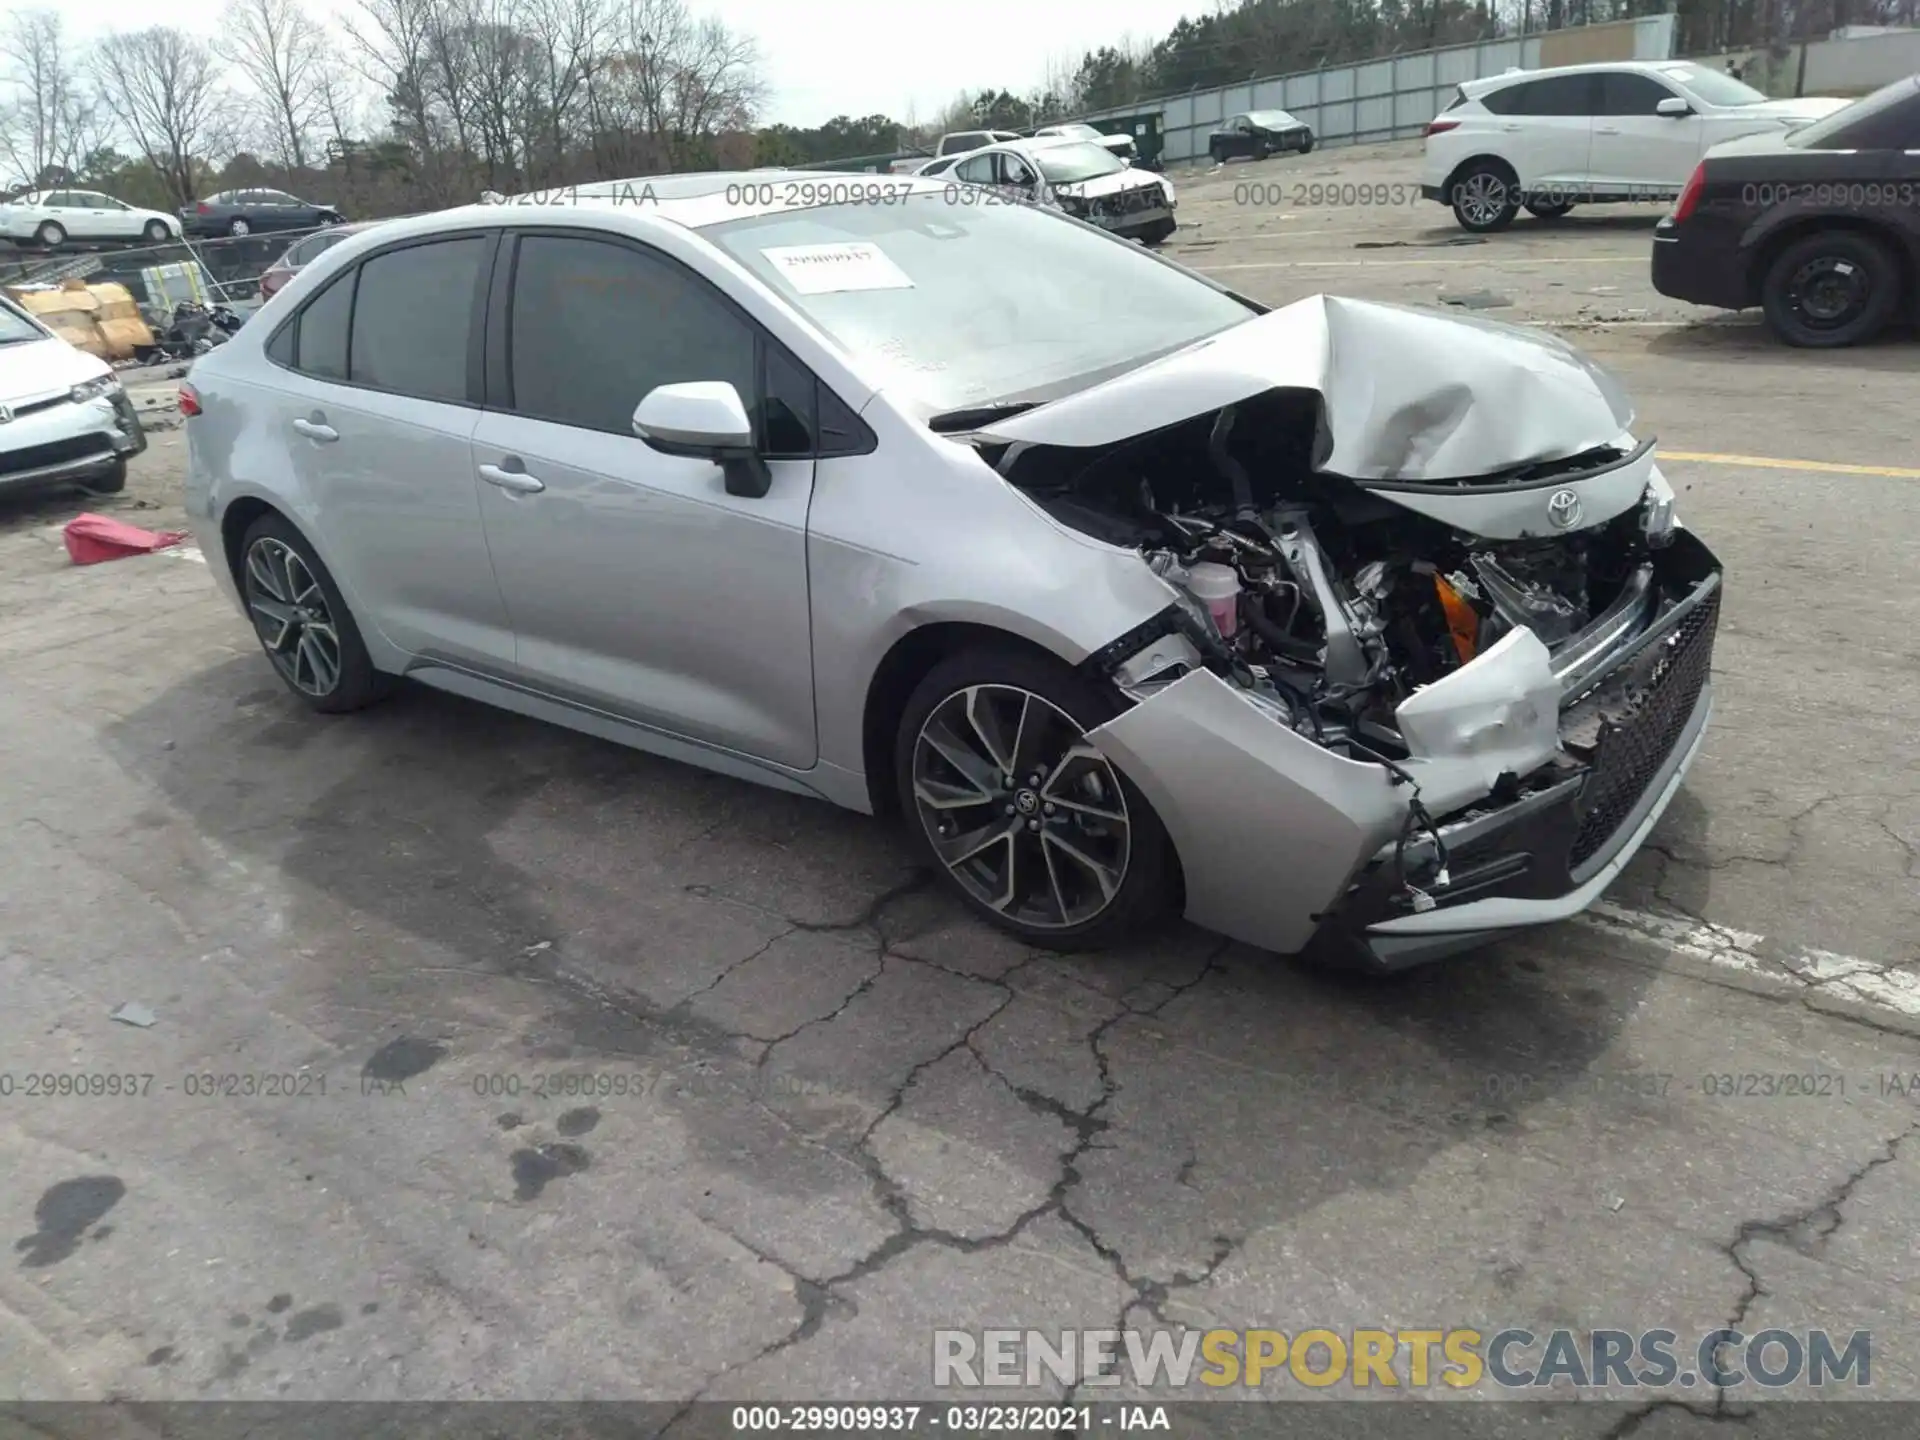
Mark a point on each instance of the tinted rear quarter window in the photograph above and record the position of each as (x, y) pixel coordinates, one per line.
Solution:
(413, 319)
(321, 346)
(595, 326)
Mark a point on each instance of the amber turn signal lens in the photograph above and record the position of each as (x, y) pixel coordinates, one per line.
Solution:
(1462, 623)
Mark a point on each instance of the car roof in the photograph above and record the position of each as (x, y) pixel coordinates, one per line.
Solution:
(1486, 84)
(692, 202)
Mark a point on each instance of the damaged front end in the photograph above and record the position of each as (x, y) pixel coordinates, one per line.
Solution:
(1425, 676)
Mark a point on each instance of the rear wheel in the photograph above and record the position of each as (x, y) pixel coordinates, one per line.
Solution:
(51, 233)
(239, 226)
(1833, 288)
(1485, 197)
(1028, 823)
(303, 624)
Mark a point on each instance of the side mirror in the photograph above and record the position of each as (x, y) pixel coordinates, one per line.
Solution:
(1673, 107)
(704, 420)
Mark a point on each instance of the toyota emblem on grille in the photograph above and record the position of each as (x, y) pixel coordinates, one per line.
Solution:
(1563, 510)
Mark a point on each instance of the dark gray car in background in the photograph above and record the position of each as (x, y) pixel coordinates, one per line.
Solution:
(248, 212)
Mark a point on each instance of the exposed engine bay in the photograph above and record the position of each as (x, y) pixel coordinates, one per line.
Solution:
(1327, 598)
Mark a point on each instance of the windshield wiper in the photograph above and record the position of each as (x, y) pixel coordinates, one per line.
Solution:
(970, 416)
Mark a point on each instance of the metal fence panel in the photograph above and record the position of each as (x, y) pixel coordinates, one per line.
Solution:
(1387, 99)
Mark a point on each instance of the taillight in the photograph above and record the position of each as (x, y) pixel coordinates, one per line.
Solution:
(1690, 196)
(189, 400)
(1440, 127)
(203, 208)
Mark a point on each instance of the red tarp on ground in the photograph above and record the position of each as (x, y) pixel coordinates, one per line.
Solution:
(92, 538)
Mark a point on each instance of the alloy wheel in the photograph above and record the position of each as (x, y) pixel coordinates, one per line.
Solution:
(1482, 197)
(1029, 818)
(1829, 291)
(290, 614)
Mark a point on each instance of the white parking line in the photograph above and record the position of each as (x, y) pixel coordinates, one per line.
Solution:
(1844, 977)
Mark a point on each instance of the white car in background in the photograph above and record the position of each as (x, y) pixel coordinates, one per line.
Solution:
(1082, 179)
(1622, 133)
(1121, 145)
(53, 217)
(64, 417)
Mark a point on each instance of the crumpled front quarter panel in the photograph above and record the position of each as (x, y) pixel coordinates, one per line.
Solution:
(1268, 825)
(923, 532)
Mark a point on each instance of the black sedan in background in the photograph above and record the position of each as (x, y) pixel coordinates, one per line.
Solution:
(248, 212)
(1258, 134)
(1820, 226)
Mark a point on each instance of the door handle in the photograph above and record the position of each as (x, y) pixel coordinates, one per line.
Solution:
(1607, 130)
(1513, 128)
(516, 480)
(315, 430)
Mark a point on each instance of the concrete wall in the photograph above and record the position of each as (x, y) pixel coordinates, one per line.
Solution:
(1394, 98)
(1833, 67)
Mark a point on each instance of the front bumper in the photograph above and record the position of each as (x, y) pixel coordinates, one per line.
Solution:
(1289, 847)
(53, 441)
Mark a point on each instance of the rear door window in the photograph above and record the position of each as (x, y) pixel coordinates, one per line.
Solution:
(1557, 95)
(413, 318)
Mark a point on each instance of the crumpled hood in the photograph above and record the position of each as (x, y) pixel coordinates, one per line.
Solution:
(1406, 394)
(1101, 186)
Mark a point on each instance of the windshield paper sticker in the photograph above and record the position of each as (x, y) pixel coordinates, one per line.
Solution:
(825, 269)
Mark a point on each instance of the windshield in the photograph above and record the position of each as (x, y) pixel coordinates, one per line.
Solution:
(1270, 118)
(1821, 133)
(1714, 86)
(16, 328)
(1082, 160)
(1079, 132)
(973, 304)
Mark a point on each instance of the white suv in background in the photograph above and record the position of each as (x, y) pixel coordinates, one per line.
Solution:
(1589, 134)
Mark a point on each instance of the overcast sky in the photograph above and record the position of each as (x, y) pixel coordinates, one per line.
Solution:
(854, 57)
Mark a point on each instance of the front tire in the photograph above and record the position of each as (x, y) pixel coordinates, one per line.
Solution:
(1548, 209)
(1033, 828)
(111, 483)
(1831, 289)
(1306, 146)
(1485, 197)
(157, 233)
(304, 626)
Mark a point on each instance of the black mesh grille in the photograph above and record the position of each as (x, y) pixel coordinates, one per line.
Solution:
(57, 452)
(1631, 751)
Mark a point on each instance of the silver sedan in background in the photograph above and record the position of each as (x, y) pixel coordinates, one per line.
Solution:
(1342, 628)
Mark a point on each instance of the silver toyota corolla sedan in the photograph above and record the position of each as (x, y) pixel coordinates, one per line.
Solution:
(1341, 628)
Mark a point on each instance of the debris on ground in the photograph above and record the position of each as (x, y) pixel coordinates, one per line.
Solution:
(92, 538)
(132, 1012)
(1476, 299)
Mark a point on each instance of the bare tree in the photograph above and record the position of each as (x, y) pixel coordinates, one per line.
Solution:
(47, 124)
(282, 51)
(163, 85)
(393, 47)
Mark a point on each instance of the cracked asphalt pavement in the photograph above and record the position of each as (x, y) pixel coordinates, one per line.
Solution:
(642, 1083)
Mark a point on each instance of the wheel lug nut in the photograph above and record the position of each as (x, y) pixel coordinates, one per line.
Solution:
(1009, 809)
(1033, 779)
(1033, 824)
